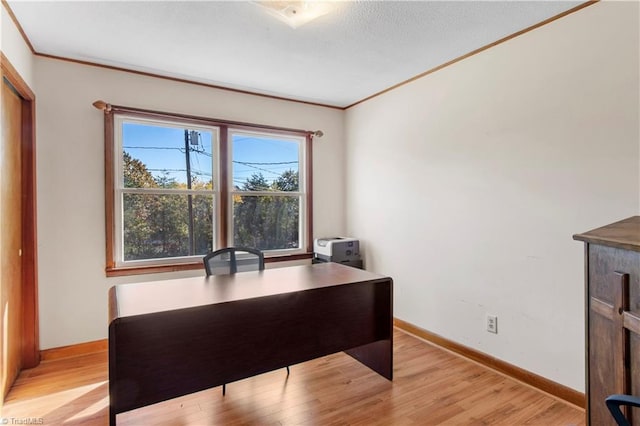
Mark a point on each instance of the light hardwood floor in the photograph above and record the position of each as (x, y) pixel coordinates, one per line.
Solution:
(431, 386)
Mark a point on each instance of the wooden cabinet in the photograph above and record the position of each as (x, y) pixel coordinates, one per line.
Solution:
(612, 275)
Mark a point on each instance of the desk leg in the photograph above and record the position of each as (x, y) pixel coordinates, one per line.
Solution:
(112, 373)
(378, 356)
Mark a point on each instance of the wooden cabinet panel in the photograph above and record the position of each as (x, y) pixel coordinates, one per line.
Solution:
(634, 366)
(612, 316)
(613, 288)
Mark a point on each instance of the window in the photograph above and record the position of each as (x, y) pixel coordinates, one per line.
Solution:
(179, 187)
(165, 191)
(266, 196)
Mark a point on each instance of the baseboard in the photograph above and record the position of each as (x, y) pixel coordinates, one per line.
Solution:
(74, 350)
(559, 391)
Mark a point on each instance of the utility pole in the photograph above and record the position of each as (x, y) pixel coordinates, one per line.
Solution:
(187, 150)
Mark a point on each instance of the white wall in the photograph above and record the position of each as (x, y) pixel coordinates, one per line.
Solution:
(14, 48)
(467, 185)
(72, 283)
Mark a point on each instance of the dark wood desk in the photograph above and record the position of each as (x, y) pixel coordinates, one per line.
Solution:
(175, 337)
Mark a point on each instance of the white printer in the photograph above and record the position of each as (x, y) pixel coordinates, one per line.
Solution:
(337, 249)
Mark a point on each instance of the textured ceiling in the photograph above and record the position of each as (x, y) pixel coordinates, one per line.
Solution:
(356, 51)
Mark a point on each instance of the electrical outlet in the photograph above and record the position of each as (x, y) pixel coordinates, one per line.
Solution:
(492, 324)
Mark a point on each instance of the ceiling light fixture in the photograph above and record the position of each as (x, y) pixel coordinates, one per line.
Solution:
(297, 13)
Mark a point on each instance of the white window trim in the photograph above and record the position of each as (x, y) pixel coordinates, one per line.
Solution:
(301, 194)
(119, 190)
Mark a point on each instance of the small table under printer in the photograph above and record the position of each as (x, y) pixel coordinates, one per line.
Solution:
(343, 250)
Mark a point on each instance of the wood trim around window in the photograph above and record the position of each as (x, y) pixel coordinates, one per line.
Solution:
(223, 202)
(196, 119)
(222, 236)
(309, 190)
(109, 189)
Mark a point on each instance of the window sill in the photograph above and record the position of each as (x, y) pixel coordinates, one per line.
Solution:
(141, 270)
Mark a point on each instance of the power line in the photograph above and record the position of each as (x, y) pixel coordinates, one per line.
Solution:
(208, 154)
(194, 172)
(263, 170)
(153, 147)
(247, 163)
(182, 150)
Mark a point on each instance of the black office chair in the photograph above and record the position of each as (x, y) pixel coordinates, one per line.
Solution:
(231, 260)
(615, 401)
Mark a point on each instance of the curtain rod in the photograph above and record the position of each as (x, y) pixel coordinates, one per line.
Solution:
(108, 109)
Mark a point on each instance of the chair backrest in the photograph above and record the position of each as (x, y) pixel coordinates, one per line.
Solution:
(233, 259)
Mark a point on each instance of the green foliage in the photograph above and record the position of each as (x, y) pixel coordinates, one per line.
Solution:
(157, 225)
(288, 181)
(267, 222)
(136, 174)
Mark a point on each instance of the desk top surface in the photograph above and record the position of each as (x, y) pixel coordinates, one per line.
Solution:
(159, 296)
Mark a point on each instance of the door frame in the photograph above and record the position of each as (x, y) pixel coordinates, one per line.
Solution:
(30, 330)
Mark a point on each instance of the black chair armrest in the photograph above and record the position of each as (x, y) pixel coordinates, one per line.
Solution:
(615, 401)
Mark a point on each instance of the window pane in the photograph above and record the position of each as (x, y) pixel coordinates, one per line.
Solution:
(266, 222)
(159, 157)
(160, 226)
(263, 163)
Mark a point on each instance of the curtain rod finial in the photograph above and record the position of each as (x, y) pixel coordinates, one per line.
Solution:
(318, 133)
(102, 105)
